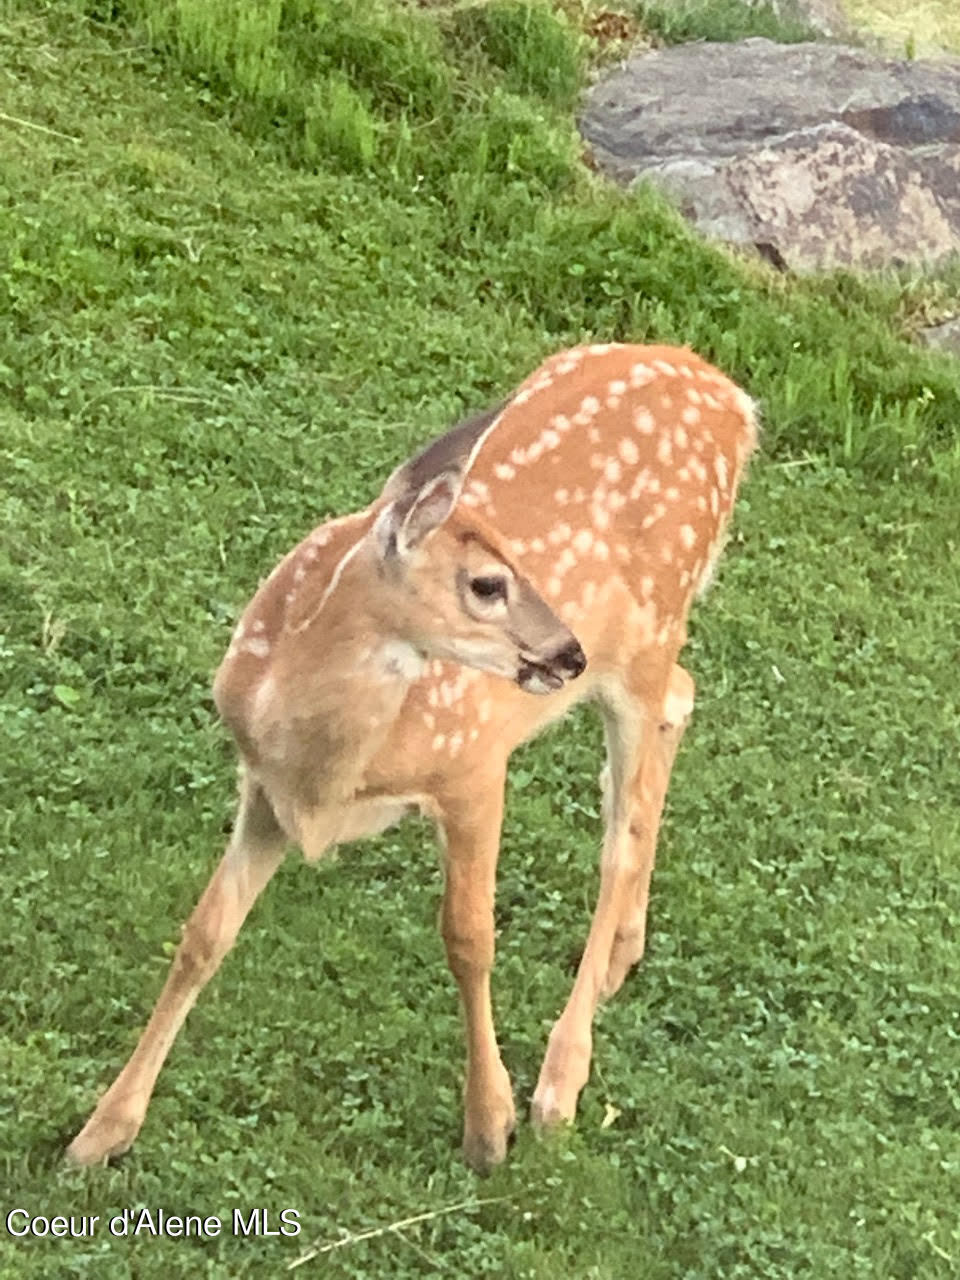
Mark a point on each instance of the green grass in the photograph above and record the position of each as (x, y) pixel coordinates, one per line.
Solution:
(674, 21)
(221, 323)
(919, 28)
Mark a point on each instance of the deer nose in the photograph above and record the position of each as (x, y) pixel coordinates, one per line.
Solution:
(570, 659)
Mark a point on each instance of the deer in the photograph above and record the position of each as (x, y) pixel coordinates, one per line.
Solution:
(541, 553)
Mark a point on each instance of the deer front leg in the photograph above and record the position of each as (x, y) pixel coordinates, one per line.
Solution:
(471, 826)
(255, 852)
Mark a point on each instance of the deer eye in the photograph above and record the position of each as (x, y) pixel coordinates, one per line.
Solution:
(489, 588)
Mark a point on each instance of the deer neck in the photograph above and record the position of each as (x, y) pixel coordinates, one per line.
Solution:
(323, 712)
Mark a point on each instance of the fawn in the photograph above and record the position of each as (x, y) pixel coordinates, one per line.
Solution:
(389, 661)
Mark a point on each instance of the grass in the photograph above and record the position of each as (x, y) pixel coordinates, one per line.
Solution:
(916, 29)
(222, 322)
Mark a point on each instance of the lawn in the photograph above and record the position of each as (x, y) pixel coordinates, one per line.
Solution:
(919, 27)
(246, 265)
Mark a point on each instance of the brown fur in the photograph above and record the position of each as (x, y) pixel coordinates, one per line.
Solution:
(364, 680)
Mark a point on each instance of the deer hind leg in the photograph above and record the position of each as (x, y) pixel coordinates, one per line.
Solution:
(254, 853)
(641, 740)
(631, 933)
(471, 827)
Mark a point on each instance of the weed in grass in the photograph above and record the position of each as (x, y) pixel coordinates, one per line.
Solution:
(724, 20)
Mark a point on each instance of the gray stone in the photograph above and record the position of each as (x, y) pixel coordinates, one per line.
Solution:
(945, 337)
(820, 155)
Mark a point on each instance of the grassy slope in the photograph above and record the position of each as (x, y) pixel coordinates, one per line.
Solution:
(208, 347)
(923, 26)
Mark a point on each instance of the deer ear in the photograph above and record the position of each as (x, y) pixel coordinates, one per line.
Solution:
(403, 524)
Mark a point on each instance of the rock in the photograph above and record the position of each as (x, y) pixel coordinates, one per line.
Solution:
(820, 155)
(945, 337)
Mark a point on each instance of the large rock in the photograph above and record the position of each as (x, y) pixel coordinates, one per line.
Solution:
(944, 337)
(820, 155)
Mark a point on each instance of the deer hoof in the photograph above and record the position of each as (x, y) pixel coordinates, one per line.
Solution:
(101, 1138)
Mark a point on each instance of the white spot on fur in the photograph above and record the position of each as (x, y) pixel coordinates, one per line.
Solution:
(644, 421)
(653, 516)
(257, 646)
(628, 451)
(397, 658)
(688, 536)
(504, 471)
(641, 480)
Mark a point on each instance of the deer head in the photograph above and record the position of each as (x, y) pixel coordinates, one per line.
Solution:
(452, 590)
